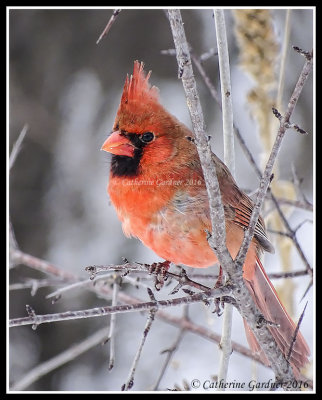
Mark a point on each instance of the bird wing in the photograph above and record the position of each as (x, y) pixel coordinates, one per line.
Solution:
(238, 206)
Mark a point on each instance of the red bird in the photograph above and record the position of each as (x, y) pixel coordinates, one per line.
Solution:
(158, 190)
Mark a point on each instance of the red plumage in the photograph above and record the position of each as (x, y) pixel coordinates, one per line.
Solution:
(158, 190)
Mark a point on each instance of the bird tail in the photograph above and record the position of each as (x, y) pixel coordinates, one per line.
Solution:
(292, 345)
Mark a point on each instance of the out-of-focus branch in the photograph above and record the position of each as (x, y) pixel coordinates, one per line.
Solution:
(171, 350)
(59, 360)
(304, 204)
(17, 146)
(109, 25)
(19, 257)
(130, 380)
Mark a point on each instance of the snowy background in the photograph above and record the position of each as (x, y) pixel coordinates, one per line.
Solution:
(67, 89)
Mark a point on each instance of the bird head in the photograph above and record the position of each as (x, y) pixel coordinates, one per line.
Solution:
(144, 133)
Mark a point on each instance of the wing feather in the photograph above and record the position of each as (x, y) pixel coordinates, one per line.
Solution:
(241, 205)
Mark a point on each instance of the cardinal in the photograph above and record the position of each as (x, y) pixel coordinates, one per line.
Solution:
(158, 190)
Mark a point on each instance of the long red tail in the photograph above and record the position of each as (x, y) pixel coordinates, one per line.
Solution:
(266, 299)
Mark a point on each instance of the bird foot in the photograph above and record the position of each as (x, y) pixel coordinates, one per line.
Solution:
(219, 305)
(160, 270)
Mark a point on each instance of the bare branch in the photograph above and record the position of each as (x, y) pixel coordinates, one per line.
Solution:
(34, 319)
(34, 285)
(182, 278)
(304, 204)
(109, 25)
(171, 350)
(307, 54)
(277, 275)
(19, 257)
(130, 380)
(296, 333)
(17, 146)
(288, 125)
(229, 159)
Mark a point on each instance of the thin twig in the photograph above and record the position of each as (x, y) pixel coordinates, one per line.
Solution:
(197, 61)
(19, 257)
(101, 311)
(109, 25)
(13, 245)
(272, 275)
(295, 333)
(297, 183)
(130, 380)
(17, 146)
(34, 285)
(182, 278)
(307, 289)
(171, 350)
(307, 54)
(208, 54)
(304, 204)
(56, 295)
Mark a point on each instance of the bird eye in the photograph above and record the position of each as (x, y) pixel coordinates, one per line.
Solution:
(147, 137)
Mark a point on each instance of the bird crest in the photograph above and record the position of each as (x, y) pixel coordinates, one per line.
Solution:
(138, 88)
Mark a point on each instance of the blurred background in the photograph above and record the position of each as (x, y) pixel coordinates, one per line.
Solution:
(67, 89)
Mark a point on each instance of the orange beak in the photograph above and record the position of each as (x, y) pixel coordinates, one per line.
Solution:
(118, 144)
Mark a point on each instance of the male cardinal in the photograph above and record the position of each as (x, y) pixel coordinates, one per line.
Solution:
(157, 187)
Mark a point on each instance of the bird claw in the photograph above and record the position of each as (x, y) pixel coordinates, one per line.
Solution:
(160, 271)
(219, 306)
